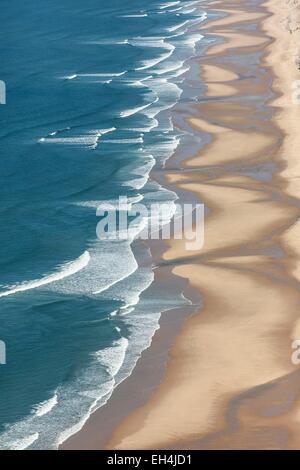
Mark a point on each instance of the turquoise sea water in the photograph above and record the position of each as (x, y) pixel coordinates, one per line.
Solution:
(90, 91)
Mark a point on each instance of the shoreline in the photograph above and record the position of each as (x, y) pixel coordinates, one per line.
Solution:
(92, 435)
(236, 386)
(229, 382)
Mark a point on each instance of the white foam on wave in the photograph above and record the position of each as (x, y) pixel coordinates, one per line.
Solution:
(141, 15)
(138, 140)
(132, 111)
(153, 123)
(111, 203)
(111, 261)
(80, 140)
(104, 81)
(45, 406)
(116, 250)
(113, 357)
(22, 444)
(104, 74)
(139, 83)
(141, 173)
(178, 26)
(189, 11)
(165, 89)
(148, 64)
(151, 41)
(180, 71)
(107, 42)
(165, 149)
(58, 131)
(99, 134)
(70, 77)
(170, 67)
(173, 10)
(100, 74)
(89, 139)
(192, 39)
(168, 4)
(135, 83)
(66, 270)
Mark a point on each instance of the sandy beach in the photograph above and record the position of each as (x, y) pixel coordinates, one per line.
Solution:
(229, 382)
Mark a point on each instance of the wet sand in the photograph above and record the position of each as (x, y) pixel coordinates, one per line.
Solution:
(230, 382)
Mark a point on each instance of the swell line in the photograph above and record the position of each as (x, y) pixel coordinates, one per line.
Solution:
(68, 269)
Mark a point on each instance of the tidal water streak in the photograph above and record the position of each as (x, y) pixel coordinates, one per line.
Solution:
(91, 86)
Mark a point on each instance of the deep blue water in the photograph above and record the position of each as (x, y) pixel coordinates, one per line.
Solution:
(90, 89)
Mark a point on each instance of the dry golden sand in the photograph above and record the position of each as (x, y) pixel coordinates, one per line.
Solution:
(230, 382)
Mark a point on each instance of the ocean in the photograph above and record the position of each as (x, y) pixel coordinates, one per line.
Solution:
(90, 90)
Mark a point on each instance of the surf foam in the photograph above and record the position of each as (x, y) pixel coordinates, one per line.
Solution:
(68, 269)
